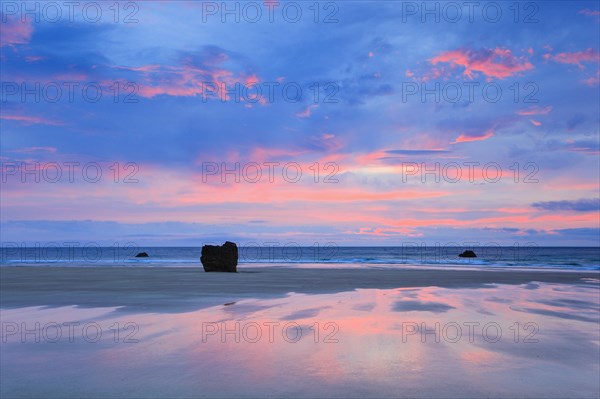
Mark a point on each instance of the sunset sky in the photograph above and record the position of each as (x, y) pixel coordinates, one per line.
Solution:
(368, 94)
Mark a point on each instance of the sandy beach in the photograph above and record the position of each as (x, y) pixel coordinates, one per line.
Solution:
(170, 289)
(293, 332)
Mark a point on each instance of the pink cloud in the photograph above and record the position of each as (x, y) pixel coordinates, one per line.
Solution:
(14, 31)
(388, 231)
(307, 112)
(531, 220)
(593, 80)
(589, 13)
(34, 58)
(535, 110)
(436, 73)
(30, 120)
(584, 149)
(463, 138)
(535, 123)
(575, 58)
(494, 63)
(265, 193)
(30, 150)
(312, 204)
(327, 142)
(188, 80)
(263, 154)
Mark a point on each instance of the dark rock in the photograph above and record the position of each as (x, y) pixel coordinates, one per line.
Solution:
(220, 258)
(468, 254)
(142, 255)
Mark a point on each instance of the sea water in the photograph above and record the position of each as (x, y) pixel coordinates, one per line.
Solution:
(326, 256)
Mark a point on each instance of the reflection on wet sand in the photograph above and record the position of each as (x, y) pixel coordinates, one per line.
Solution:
(530, 340)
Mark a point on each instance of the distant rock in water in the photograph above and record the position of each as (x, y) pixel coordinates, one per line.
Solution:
(142, 255)
(467, 254)
(220, 258)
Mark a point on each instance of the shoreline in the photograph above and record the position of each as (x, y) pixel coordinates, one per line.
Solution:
(312, 265)
(175, 289)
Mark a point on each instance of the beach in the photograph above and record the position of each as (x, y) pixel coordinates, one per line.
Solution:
(299, 199)
(298, 332)
(173, 289)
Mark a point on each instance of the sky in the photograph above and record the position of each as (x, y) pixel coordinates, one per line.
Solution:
(350, 122)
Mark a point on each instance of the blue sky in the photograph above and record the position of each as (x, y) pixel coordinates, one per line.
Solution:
(399, 92)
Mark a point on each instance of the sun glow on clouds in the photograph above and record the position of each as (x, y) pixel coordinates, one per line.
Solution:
(468, 138)
(535, 110)
(14, 31)
(29, 120)
(575, 58)
(199, 74)
(497, 63)
(370, 136)
(535, 123)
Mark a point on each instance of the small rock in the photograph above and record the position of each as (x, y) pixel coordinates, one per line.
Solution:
(467, 254)
(142, 255)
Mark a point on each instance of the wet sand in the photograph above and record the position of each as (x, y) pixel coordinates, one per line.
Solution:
(183, 289)
(127, 332)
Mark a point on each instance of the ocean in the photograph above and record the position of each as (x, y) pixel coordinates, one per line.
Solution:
(323, 256)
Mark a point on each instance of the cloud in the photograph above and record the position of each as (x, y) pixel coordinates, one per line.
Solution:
(212, 72)
(14, 30)
(31, 150)
(387, 231)
(31, 120)
(416, 152)
(465, 138)
(589, 13)
(307, 112)
(494, 63)
(580, 205)
(593, 81)
(575, 58)
(535, 110)
(589, 147)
